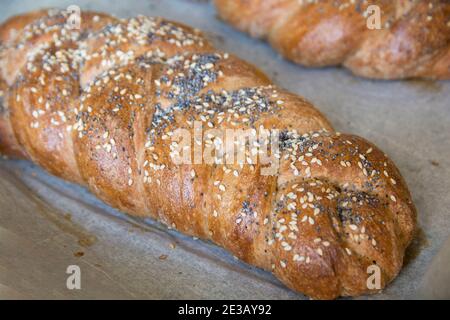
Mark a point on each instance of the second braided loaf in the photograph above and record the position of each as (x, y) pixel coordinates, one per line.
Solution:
(413, 40)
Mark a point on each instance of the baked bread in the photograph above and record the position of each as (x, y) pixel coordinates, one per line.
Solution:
(413, 42)
(100, 107)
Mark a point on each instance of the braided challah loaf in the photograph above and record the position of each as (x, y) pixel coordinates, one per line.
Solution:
(413, 42)
(99, 106)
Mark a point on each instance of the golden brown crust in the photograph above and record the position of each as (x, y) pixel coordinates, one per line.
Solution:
(8, 142)
(414, 40)
(103, 107)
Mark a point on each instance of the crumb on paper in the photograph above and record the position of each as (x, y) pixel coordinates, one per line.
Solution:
(87, 241)
(434, 163)
(78, 254)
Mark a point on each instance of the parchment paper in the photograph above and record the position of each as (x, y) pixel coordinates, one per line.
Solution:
(47, 224)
